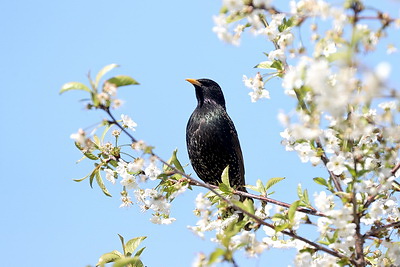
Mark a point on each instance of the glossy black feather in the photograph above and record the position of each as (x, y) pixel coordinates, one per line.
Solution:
(211, 137)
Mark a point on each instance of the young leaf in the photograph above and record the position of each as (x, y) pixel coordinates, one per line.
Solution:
(224, 188)
(74, 86)
(109, 257)
(277, 65)
(91, 156)
(108, 127)
(123, 262)
(139, 252)
(260, 187)
(91, 178)
(281, 227)
(121, 238)
(252, 187)
(299, 191)
(80, 180)
(249, 205)
(306, 198)
(225, 177)
(132, 244)
(272, 182)
(321, 181)
(292, 211)
(101, 184)
(215, 255)
(264, 65)
(103, 71)
(176, 162)
(122, 80)
(96, 141)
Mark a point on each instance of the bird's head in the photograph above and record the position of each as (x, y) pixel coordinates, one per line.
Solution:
(208, 92)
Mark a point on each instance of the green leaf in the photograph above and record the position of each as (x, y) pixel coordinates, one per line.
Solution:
(286, 24)
(281, 227)
(103, 71)
(122, 80)
(292, 211)
(123, 262)
(272, 182)
(225, 177)
(90, 156)
(108, 127)
(109, 257)
(352, 171)
(249, 205)
(299, 191)
(215, 255)
(78, 145)
(80, 180)
(321, 181)
(74, 86)
(132, 244)
(264, 65)
(252, 187)
(139, 252)
(101, 184)
(260, 187)
(277, 65)
(96, 140)
(224, 188)
(175, 161)
(91, 178)
(279, 216)
(305, 197)
(121, 238)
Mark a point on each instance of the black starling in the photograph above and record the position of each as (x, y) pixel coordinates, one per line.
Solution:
(211, 137)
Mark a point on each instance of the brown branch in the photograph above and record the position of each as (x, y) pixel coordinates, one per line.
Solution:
(325, 160)
(310, 211)
(230, 203)
(395, 168)
(359, 240)
(376, 231)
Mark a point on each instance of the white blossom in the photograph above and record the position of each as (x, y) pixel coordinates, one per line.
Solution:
(152, 171)
(129, 181)
(336, 164)
(127, 122)
(110, 175)
(323, 202)
(135, 166)
(79, 137)
(257, 85)
(276, 54)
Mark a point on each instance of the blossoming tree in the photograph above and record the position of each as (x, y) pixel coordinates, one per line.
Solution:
(345, 120)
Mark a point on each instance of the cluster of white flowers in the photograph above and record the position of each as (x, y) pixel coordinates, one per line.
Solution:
(152, 199)
(305, 259)
(108, 95)
(248, 240)
(209, 218)
(257, 85)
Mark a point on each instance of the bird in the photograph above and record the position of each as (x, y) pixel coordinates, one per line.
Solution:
(211, 138)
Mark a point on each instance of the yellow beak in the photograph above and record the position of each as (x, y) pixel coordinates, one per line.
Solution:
(194, 82)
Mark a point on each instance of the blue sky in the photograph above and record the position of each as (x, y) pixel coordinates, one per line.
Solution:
(49, 220)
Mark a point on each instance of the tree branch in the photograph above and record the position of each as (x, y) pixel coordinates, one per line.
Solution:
(377, 230)
(230, 203)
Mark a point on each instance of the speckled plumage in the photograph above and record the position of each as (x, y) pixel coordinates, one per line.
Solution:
(211, 137)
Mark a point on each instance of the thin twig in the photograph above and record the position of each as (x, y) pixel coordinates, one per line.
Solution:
(377, 230)
(310, 211)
